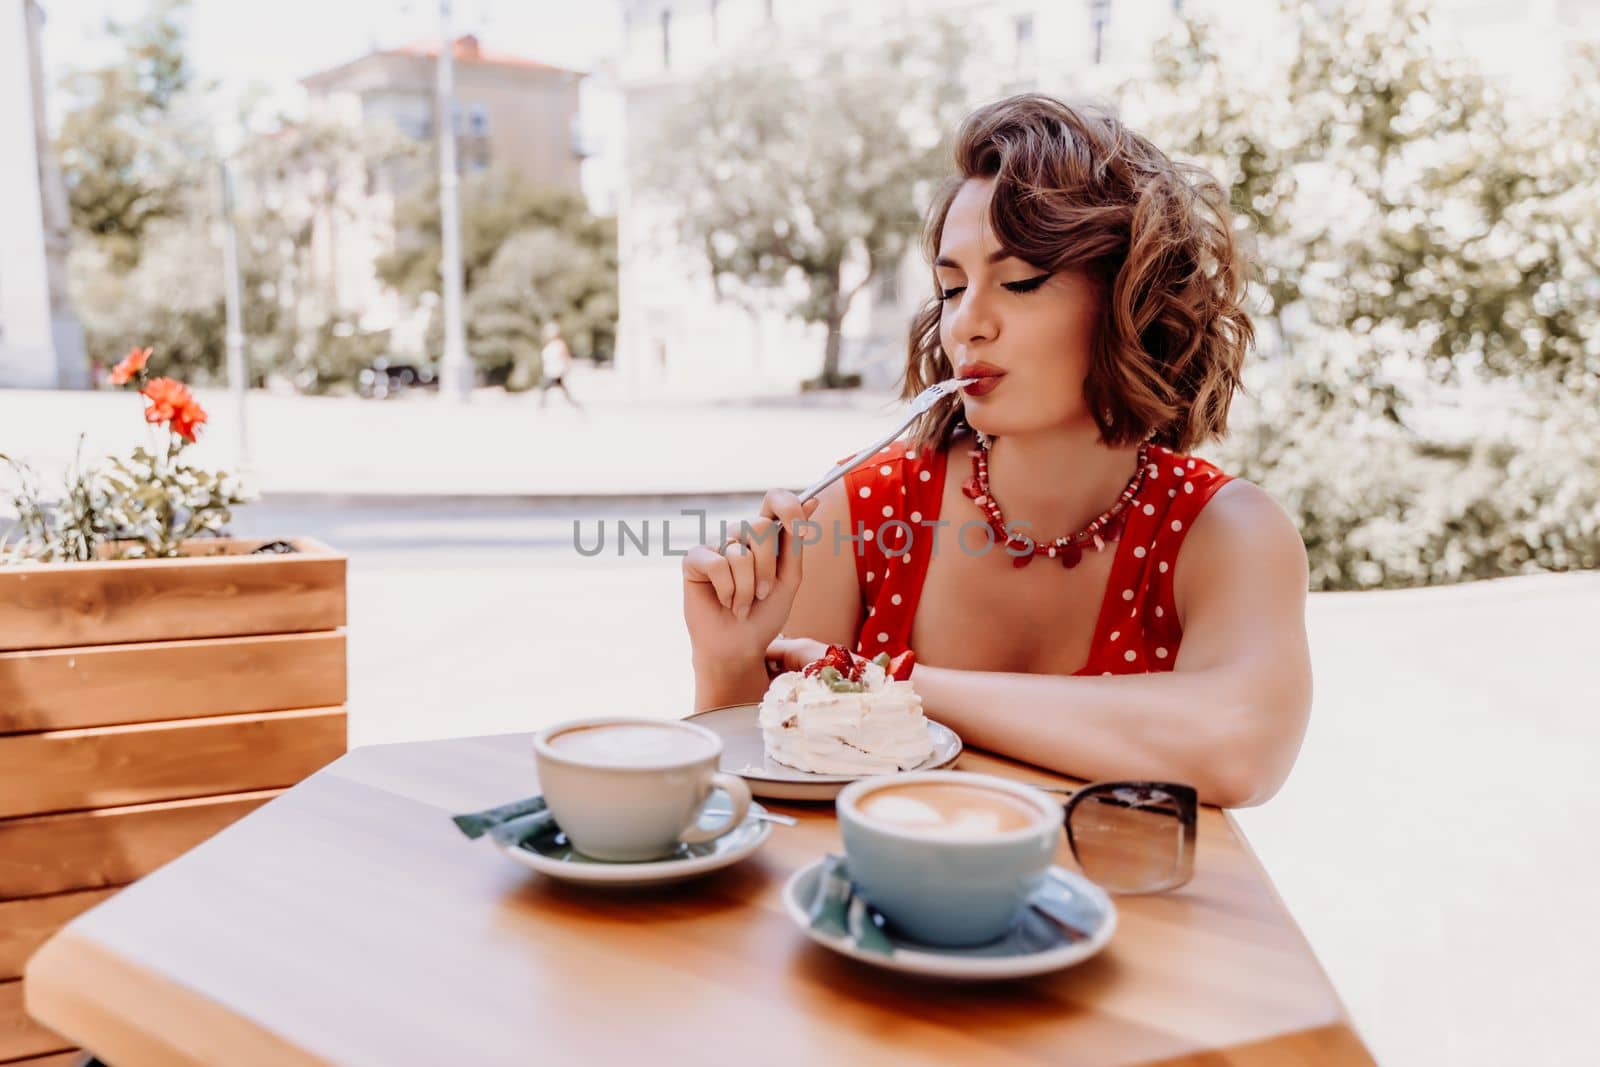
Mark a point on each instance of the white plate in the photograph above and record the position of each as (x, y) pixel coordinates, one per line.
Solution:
(1034, 946)
(552, 855)
(745, 753)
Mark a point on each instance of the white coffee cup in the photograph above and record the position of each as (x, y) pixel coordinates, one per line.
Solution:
(631, 789)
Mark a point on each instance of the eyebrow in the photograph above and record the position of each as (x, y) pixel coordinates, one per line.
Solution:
(994, 257)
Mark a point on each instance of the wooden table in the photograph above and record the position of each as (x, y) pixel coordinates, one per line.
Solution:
(349, 922)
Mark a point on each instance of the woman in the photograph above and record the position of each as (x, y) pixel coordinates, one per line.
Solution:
(1156, 627)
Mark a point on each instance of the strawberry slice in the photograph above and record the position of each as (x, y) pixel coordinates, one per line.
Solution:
(900, 666)
(840, 659)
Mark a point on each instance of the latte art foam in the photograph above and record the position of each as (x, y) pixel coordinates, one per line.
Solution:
(947, 809)
(630, 745)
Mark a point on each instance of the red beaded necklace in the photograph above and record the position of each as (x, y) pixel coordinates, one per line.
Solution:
(1105, 528)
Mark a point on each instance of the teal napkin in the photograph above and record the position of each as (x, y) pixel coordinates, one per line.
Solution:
(509, 824)
(836, 909)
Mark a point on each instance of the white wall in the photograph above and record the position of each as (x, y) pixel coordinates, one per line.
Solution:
(40, 346)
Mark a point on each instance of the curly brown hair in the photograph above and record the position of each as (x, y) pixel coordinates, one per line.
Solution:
(1075, 189)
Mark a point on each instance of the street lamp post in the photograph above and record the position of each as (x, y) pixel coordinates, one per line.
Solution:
(1099, 17)
(233, 302)
(455, 375)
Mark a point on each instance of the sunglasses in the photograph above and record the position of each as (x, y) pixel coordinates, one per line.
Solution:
(1133, 837)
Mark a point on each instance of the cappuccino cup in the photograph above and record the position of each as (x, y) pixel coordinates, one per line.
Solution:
(949, 858)
(630, 790)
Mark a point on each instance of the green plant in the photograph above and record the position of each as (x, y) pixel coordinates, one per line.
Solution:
(70, 530)
(1380, 506)
(142, 506)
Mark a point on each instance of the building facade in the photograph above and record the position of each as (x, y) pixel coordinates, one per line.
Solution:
(512, 113)
(41, 340)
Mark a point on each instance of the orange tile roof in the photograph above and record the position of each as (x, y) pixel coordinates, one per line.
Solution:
(468, 50)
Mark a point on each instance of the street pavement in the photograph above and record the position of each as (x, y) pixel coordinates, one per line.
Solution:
(1435, 840)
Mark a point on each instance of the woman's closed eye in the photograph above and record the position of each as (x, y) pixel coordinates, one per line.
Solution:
(1027, 285)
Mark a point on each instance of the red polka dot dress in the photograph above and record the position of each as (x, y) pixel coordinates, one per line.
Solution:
(895, 494)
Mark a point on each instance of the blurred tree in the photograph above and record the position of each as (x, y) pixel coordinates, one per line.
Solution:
(129, 148)
(149, 267)
(800, 173)
(139, 166)
(1392, 194)
(303, 174)
(171, 298)
(529, 253)
(495, 205)
(537, 276)
(169, 293)
(1415, 228)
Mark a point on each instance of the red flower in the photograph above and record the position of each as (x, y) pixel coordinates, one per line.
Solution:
(171, 402)
(131, 364)
(187, 422)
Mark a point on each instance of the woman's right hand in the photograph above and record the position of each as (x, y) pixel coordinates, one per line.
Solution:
(737, 596)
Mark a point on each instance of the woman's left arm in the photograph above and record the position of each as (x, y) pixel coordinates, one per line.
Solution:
(1227, 719)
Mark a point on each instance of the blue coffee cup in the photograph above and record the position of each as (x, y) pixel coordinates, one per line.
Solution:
(942, 887)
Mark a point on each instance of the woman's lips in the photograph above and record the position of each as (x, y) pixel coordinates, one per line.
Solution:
(988, 377)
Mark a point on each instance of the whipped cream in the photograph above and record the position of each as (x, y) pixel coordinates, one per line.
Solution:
(809, 727)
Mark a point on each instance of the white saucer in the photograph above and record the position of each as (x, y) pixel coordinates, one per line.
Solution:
(550, 854)
(1034, 946)
(745, 753)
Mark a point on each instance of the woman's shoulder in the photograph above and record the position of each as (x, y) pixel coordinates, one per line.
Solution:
(1241, 527)
(1243, 503)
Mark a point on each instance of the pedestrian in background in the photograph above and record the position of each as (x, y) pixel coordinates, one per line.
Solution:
(557, 360)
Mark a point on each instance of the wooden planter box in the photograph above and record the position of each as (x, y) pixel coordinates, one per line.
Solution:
(144, 706)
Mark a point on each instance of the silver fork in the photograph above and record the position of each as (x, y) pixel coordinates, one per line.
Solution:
(919, 404)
